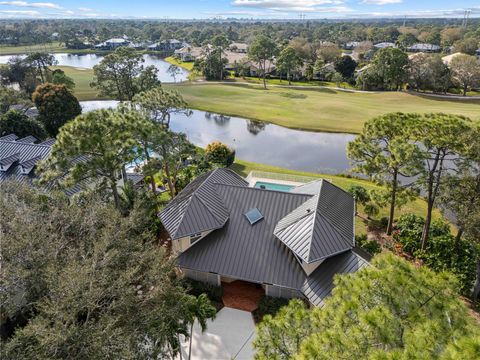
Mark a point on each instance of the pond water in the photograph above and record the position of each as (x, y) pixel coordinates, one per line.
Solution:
(261, 142)
(88, 61)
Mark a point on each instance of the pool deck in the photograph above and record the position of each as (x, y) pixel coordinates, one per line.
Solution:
(253, 180)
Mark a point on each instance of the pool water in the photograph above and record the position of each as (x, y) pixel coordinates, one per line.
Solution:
(273, 186)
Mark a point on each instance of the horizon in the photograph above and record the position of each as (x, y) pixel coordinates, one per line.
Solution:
(266, 10)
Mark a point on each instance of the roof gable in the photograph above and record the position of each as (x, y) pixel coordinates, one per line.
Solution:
(320, 227)
(198, 207)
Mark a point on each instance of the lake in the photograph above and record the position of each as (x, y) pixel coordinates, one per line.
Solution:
(88, 61)
(261, 142)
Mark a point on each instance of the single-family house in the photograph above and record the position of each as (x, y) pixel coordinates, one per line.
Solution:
(424, 47)
(291, 244)
(238, 48)
(112, 44)
(19, 158)
(167, 45)
(384, 45)
(351, 45)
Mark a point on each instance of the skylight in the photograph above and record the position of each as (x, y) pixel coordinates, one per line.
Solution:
(254, 215)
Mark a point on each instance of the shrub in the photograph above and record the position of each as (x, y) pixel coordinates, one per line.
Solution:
(442, 253)
(268, 306)
(220, 154)
(408, 231)
(196, 288)
(370, 246)
(380, 224)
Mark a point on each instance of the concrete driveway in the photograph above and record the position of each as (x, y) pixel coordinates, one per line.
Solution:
(229, 336)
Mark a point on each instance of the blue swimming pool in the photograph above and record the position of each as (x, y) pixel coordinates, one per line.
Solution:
(273, 186)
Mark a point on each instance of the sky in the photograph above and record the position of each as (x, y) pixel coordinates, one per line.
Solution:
(262, 9)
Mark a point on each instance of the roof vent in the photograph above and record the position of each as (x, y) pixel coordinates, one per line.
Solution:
(254, 215)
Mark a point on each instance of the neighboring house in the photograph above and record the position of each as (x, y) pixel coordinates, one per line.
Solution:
(189, 53)
(424, 47)
(238, 48)
(291, 243)
(19, 158)
(256, 70)
(384, 45)
(112, 44)
(234, 58)
(167, 45)
(351, 45)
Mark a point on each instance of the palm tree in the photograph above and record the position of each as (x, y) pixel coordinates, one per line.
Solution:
(199, 309)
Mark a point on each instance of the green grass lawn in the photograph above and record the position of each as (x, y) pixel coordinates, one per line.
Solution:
(25, 49)
(419, 206)
(256, 80)
(313, 109)
(317, 110)
(186, 65)
(82, 78)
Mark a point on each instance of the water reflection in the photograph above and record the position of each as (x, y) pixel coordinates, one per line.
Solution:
(259, 142)
(255, 127)
(88, 61)
(220, 120)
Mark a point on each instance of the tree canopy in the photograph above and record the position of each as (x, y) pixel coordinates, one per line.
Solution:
(389, 310)
(56, 106)
(121, 75)
(79, 280)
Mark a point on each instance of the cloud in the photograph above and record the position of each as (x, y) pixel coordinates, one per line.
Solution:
(381, 2)
(11, 13)
(84, 9)
(44, 5)
(294, 5)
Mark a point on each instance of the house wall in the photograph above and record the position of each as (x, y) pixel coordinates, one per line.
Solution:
(183, 244)
(282, 292)
(206, 277)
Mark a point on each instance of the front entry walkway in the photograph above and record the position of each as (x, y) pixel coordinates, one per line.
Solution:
(242, 295)
(229, 336)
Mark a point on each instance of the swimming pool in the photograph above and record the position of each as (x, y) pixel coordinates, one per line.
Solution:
(273, 186)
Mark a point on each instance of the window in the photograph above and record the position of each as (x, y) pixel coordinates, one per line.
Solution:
(194, 238)
(254, 215)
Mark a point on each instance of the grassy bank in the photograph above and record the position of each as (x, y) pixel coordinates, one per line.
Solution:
(419, 206)
(82, 78)
(318, 109)
(185, 65)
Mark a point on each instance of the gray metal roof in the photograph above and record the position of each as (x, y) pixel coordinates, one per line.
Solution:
(246, 252)
(322, 226)
(320, 284)
(295, 225)
(23, 153)
(198, 207)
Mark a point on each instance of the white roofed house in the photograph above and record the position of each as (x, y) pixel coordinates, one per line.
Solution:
(112, 44)
(424, 47)
(384, 45)
(290, 243)
(238, 48)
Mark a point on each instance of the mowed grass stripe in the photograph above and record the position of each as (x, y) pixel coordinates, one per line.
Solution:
(316, 109)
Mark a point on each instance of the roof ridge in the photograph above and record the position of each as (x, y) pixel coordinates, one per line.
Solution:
(297, 219)
(336, 228)
(206, 206)
(188, 200)
(314, 219)
(25, 144)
